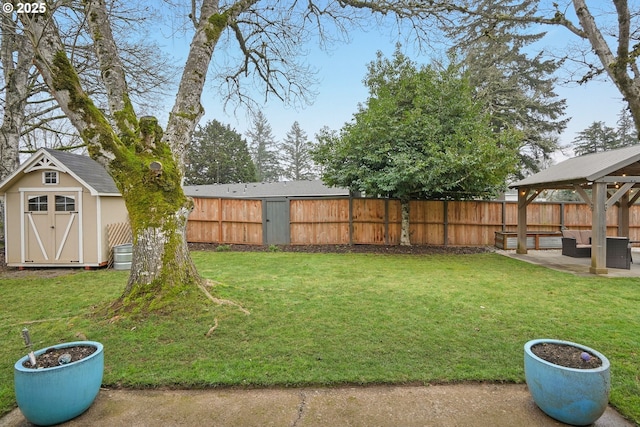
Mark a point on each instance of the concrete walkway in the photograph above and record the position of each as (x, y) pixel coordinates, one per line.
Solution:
(489, 405)
(579, 266)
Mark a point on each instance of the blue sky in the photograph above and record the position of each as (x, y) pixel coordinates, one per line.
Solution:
(340, 89)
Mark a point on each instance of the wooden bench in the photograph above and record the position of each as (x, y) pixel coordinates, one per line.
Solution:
(535, 240)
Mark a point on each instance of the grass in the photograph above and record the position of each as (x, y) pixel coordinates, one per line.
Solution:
(323, 319)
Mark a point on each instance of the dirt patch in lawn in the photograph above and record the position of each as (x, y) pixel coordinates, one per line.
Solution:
(12, 272)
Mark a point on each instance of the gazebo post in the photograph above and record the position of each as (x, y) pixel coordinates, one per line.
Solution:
(522, 220)
(599, 229)
(623, 218)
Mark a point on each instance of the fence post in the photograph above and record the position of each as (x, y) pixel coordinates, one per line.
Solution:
(350, 219)
(386, 221)
(220, 220)
(445, 208)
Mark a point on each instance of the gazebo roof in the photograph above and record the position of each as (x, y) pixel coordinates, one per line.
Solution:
(586, 169)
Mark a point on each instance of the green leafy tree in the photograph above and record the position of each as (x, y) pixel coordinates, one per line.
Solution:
(420, 134)
(517, 88)
(218, 154)
(262, 146)
(596, 138)
(295, 152)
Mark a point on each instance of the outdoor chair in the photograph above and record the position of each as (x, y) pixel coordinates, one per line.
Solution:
(576, 243)
(618, 253)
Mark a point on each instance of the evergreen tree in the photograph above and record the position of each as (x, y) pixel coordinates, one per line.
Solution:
(596, 138)
(218, 154)
(296, 155)
(262, 147)
(626, 131)
(516, 89)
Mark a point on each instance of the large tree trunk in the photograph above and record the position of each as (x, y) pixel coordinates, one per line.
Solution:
(405, 235)
(15, 55)
(150, 183)
(9, 148)
(162, 265)
(146, 163)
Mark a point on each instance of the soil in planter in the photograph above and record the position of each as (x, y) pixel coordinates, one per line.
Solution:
(566, 355)
(51, 357)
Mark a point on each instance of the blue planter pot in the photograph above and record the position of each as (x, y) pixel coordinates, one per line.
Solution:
(54, 395)
(573, 396)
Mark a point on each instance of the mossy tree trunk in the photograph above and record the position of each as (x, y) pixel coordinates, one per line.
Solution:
(146, 162)
(162, 266)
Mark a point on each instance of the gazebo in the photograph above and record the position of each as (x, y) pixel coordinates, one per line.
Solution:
(609, 175)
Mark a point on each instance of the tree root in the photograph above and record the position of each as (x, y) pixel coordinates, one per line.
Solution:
(220, 301)
(211, 283)
(213, 328)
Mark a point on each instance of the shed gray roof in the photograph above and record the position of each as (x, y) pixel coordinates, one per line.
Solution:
(87, 170)
(587, 168)
(259, 190)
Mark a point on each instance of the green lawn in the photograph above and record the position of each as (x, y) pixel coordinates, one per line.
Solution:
(334, 319)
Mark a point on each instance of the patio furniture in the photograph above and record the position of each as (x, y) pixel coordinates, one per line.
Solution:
(618, 253)
(576, 243)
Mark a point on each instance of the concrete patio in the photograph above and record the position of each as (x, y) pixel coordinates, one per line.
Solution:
(579, 266)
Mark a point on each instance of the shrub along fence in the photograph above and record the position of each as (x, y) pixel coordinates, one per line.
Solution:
(338, 221)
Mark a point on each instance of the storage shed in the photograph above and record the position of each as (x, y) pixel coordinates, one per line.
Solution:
(57, 209)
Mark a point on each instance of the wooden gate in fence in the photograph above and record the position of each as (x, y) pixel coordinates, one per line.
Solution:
(338, 221)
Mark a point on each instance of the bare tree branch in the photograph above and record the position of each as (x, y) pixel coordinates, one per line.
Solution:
(187, 109)
(111, 68)
(55, 68)
(15, 58)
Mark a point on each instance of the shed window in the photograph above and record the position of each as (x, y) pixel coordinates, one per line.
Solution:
(50, 177)
(65, 204)
(38, 203)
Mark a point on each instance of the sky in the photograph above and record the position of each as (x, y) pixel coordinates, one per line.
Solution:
(340, 90)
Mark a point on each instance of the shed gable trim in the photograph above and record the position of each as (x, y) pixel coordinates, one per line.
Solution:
(45, 163)
(85, 171)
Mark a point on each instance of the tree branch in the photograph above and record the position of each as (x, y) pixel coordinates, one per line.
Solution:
(58, 73)
(187, 109)
(111, 67)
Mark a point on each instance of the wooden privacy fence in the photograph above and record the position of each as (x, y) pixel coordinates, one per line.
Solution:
(338, 221)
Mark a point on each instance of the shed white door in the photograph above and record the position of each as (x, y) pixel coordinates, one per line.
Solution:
(51, 228)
